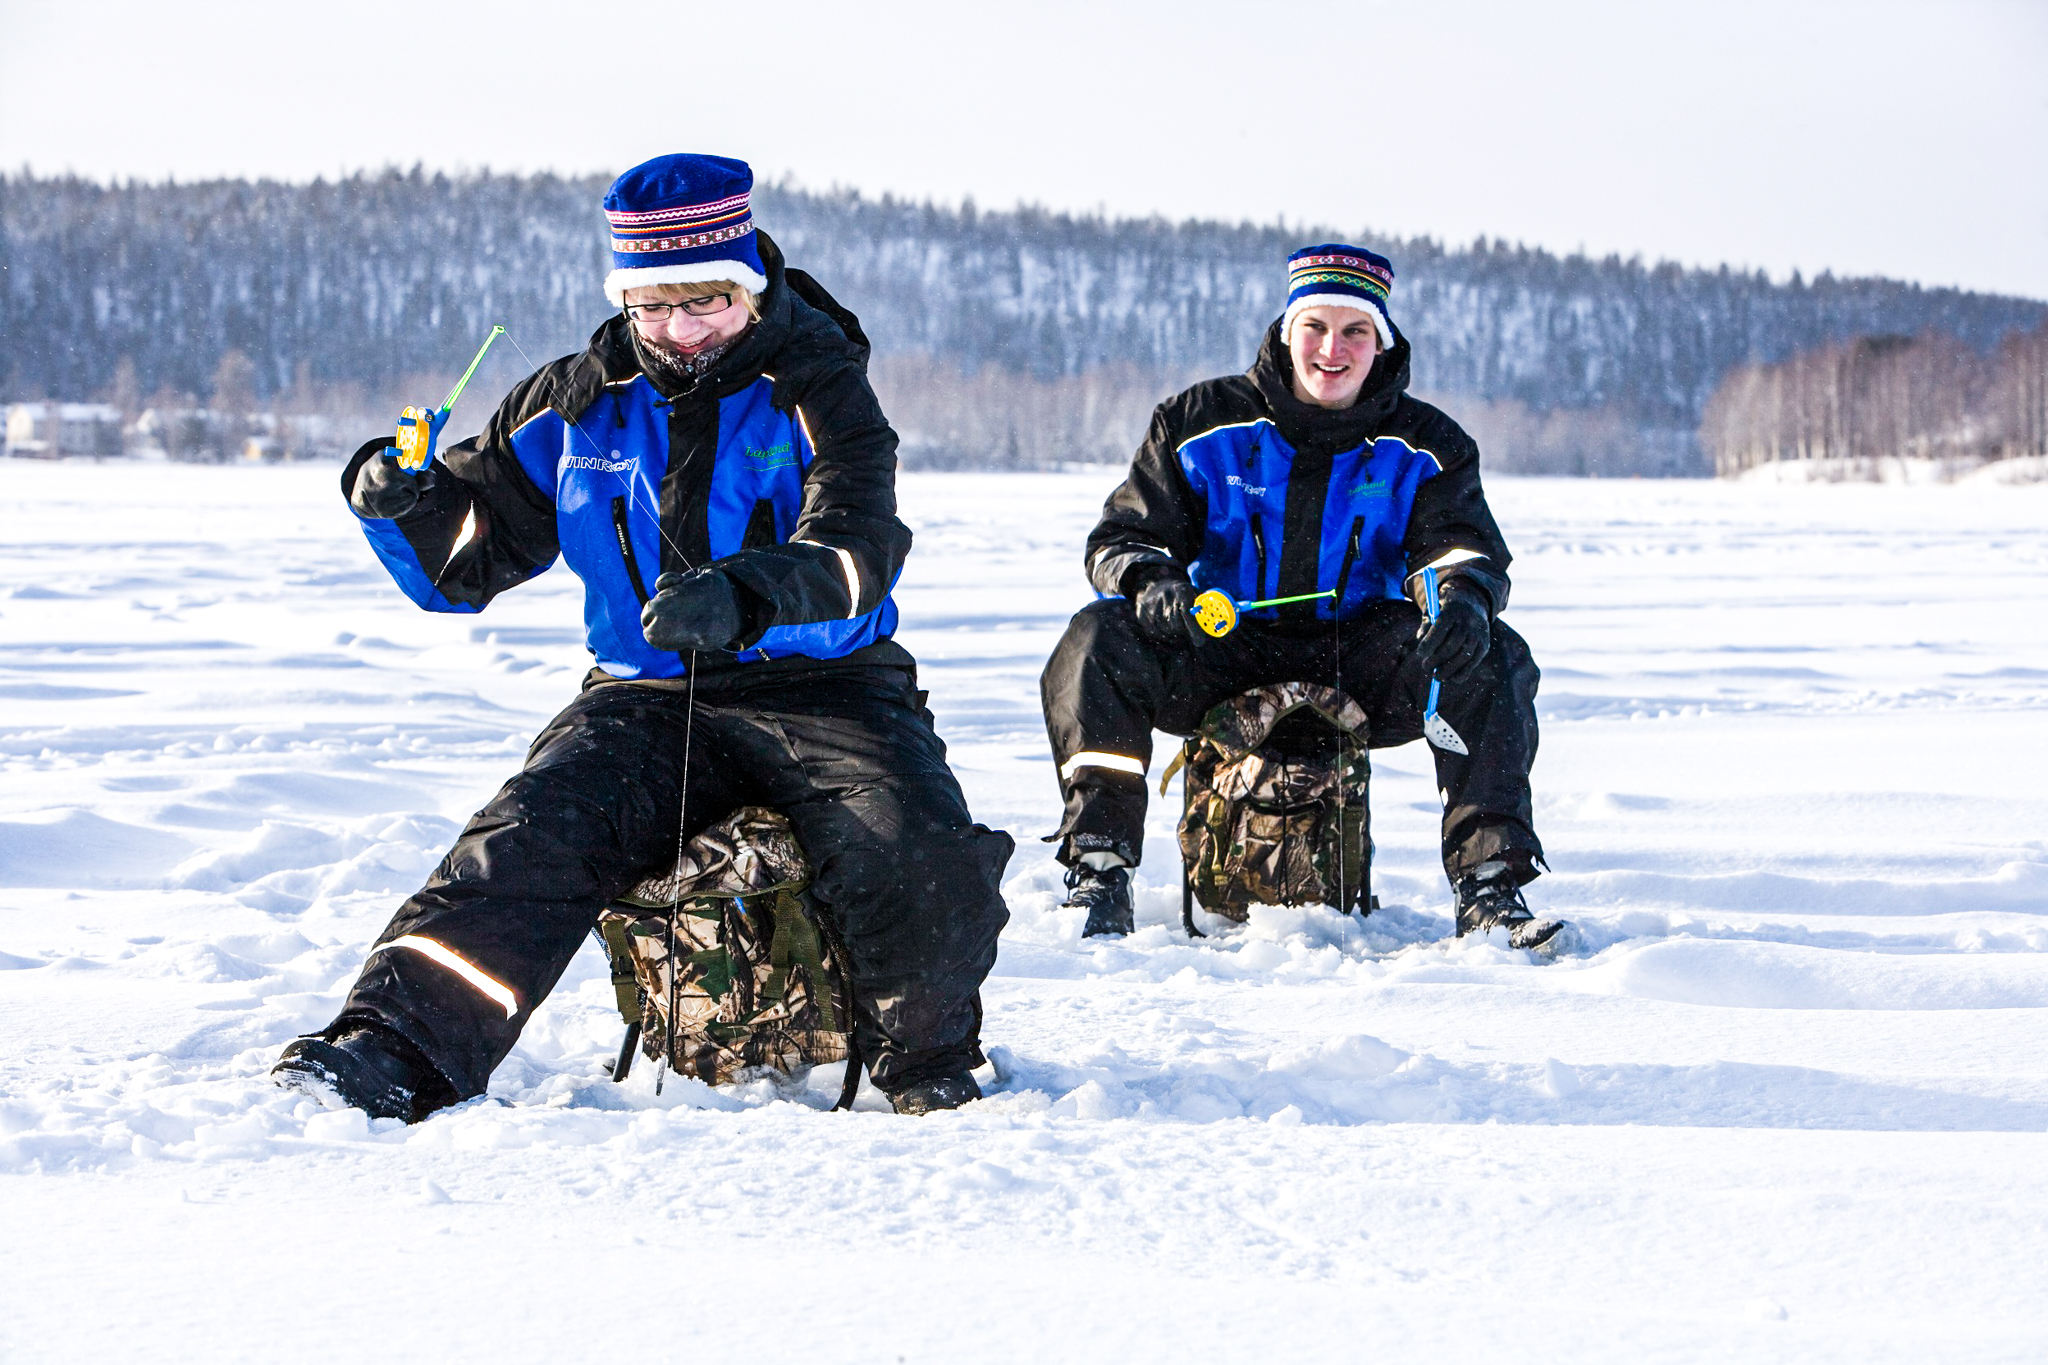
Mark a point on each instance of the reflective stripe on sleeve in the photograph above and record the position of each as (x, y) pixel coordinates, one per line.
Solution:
(454, 962)
(1448, 558)
(847, 567)
(1095, 758)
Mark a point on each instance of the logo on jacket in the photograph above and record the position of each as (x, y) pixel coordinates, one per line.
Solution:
(781, 455)
(617, 464)
(1237, 481)
(1372, 489)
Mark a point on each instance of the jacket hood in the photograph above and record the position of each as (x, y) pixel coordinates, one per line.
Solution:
(1308, 427)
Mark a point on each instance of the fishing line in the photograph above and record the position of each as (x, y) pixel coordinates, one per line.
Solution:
(689, 732)
(1343, 738)
(675, 910)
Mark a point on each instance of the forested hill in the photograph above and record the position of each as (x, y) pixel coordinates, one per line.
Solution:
(380, 277)
(1056, 294)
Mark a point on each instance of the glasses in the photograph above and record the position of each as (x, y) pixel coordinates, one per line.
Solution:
(701, 307)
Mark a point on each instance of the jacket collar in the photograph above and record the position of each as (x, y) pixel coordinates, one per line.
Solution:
(1323, 430)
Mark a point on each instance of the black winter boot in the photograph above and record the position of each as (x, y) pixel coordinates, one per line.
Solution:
(947, 1092)
(1107, 894)
(367, 1068)
(1489, 899)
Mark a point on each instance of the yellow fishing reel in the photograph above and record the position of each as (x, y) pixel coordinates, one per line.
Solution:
(416, 430)
(1215, 613)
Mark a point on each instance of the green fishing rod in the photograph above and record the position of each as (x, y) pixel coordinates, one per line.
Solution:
(1216, 614)
(419, 426)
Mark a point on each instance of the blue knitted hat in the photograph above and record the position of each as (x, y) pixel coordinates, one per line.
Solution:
(1346, 276)
(682, 218)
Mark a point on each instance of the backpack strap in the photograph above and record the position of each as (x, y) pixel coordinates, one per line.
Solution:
(625, 984)
(625, 987)
(1180, 760)
(1187, 873)
(842, 967)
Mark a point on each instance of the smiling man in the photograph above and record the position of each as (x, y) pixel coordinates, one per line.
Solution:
(1314, 472)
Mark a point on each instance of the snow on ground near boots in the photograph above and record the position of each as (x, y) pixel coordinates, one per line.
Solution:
(1790, 1103)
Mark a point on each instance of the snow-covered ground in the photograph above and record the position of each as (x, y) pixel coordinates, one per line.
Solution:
(1790, 1105)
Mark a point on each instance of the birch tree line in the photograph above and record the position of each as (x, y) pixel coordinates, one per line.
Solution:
(1876, 398)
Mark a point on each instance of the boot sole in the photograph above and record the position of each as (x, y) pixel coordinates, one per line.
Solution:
(1547, 938)
(312, 1082)
(1544, 937)
(918, 1106)
(308, 1067)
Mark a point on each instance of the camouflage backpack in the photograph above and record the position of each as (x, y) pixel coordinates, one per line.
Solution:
(1274, 809)
(762, 979)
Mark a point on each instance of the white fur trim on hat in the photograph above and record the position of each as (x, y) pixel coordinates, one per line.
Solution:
(689, 272)
(1379, 319)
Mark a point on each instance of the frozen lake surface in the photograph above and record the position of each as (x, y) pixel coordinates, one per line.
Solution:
(1792, 1102)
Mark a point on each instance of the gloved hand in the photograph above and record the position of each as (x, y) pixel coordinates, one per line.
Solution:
(695, 610)
(1163, 602)
(383, 490)
(1454, 644)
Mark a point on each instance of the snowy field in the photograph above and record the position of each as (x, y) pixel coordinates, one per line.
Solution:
(1790, 1104)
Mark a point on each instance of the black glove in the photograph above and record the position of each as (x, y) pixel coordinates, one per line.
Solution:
(695, 610)
(1163, 601)
(1463, 631)
(384, 491)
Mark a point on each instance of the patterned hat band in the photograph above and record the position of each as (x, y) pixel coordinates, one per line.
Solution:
(680, 215)
(1319, 279)
(631, 245)
(1354, 264)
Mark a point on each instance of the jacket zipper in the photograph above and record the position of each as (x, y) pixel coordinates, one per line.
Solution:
(626, 549)
(1344, 572)
(1259, 546)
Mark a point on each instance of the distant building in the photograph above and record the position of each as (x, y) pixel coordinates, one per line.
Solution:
(50, 431)
(313, 436)
(179, 434)
(199, 434)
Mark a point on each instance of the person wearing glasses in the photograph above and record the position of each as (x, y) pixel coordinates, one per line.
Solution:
(1312, 476)
(715, 468)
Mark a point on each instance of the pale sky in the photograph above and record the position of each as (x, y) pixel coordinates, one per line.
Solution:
(1866, 137)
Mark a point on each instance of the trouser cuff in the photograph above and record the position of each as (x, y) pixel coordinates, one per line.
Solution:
(1105, 814)
(1074, 847)
(1495, 839)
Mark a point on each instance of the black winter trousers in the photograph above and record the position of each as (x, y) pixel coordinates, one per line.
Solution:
(907, 877)
(1106, 688)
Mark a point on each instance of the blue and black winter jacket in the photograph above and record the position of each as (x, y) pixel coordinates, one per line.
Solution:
(1254, 492)
(777, 466)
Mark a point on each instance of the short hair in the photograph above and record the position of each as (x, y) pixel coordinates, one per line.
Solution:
(697, 289)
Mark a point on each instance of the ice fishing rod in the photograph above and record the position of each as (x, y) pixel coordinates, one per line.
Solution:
(419, 426)
(1216, 614)
(1434, 727)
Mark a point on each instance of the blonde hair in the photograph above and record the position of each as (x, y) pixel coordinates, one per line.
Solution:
(697, 289)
